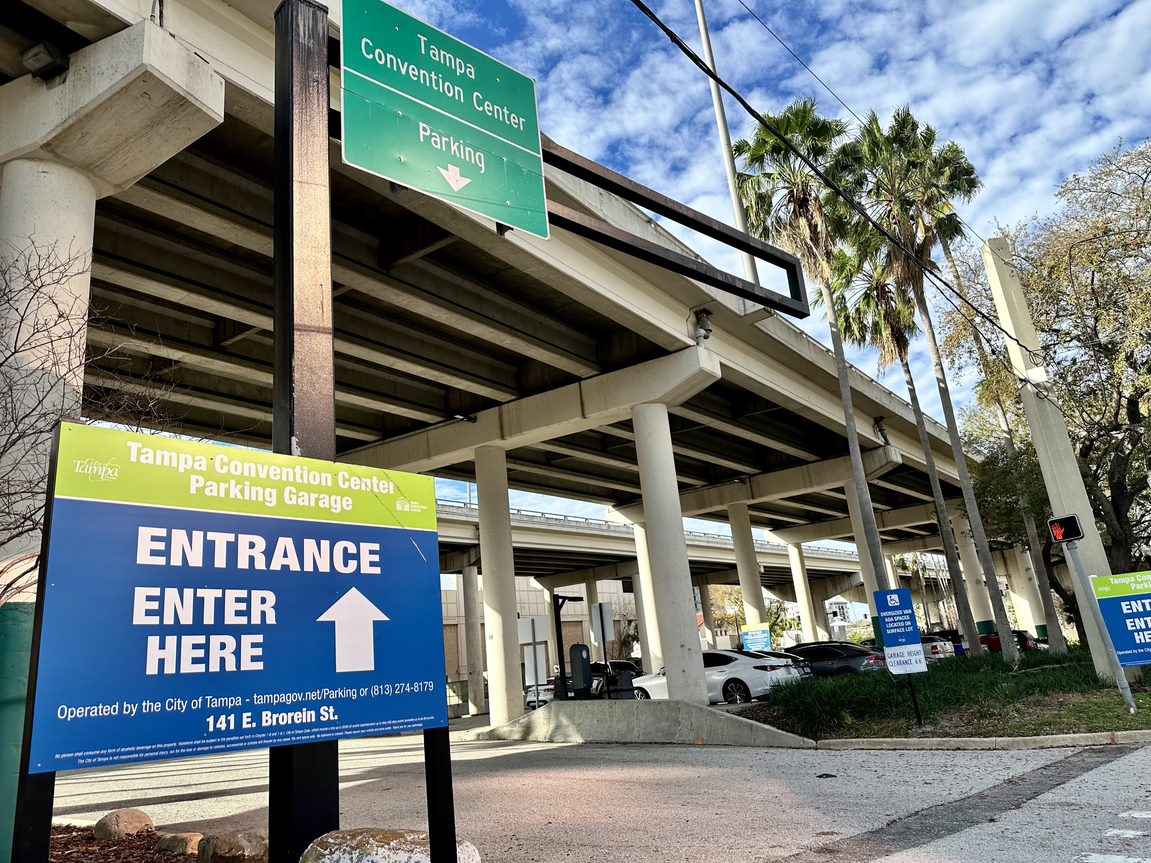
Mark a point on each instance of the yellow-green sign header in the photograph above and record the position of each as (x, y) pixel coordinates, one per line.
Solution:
(1124, 584)
(129, 467)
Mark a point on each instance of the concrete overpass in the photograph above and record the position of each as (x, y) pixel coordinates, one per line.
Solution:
(461, 348)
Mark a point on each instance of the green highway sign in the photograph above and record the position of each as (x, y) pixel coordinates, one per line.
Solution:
(427, 111)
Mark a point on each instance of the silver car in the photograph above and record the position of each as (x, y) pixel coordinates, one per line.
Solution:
(733, 676)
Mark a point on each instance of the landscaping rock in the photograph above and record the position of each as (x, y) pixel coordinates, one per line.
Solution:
(121, 823)
(250, 846)
(179, 843)
(372, 845)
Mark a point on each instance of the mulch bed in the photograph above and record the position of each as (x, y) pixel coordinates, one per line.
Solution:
(78, 845)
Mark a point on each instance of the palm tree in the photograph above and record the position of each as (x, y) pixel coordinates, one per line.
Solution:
(784, 202)
(908, 183)
(874, 312)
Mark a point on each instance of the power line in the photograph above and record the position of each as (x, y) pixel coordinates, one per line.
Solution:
(851, 202)
(800, 60)
(859, 119)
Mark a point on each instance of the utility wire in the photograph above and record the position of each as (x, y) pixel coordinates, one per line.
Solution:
(831, 184)
(800, 60)
(848, 108)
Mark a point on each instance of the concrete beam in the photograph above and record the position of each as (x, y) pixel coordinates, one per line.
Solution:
(778, 484)
(912, 546)
(603, 572)
(590, 403)
(131, 101)
(888, 520)
(455, 561)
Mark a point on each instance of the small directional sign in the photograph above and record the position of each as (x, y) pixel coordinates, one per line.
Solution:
(902, 644)
(426, 110)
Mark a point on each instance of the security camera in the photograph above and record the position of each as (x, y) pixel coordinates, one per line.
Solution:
(702, 326)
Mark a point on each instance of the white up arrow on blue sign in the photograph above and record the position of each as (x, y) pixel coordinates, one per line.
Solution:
(354, 616)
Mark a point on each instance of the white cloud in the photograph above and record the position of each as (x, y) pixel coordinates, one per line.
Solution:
(1033, 90)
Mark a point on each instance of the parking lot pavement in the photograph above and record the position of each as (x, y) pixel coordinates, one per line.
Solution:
(548, 802)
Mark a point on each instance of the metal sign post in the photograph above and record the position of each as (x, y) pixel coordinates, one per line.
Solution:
(558, 603)
(303, 780)
(902, 643)
(531, 630)
(1120, 677)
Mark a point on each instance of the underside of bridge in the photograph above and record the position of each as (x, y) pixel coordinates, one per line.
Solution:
(438, 317)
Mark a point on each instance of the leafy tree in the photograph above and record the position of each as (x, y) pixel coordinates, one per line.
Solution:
(728, 612)
(1086, 273)
(43, 326)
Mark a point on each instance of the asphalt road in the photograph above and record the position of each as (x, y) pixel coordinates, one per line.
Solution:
(545, 802)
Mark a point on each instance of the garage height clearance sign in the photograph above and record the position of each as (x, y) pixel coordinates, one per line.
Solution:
(198, 598)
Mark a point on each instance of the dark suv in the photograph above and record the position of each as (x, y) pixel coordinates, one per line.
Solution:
(827, 658)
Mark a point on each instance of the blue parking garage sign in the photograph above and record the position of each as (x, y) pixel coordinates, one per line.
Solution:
(1125, 601)
(199, 599)
(902, 644)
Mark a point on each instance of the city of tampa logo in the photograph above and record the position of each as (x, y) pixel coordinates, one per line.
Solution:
(97, 471)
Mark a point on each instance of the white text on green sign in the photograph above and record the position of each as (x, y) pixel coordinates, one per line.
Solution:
(426, 110)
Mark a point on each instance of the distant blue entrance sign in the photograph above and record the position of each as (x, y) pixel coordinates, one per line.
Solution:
(756, 637)
(902, 643)
(199, 599)
(1125, 601)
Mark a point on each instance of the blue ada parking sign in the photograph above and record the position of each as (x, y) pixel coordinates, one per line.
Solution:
(902, 644)
(199, 599)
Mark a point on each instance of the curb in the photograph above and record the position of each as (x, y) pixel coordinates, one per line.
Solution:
(1046, 741)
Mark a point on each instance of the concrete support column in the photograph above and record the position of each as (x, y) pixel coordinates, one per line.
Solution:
(46, 223)
(1025, 592)
(919, 586)
(820, 595)
(747, 564)
(1060, 468)
(976, 590)
(553, 646)
(128, 103)
(891, 571)
(667, 549)
(870, 576)
(706, 609)
(591, 591)
(505, 688)
(474, 639)
(803, 592)
(652, 653)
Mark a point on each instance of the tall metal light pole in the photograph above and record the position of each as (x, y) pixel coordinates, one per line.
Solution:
(725, 141)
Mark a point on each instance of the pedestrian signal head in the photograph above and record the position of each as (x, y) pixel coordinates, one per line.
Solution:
(1065, 528)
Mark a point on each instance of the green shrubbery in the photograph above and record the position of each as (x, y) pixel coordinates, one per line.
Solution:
(824, 707)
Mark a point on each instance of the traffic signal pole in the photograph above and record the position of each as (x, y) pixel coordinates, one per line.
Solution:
(1081, 579)
(1057, 459)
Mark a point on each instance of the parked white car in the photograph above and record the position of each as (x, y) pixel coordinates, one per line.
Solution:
(734, 676)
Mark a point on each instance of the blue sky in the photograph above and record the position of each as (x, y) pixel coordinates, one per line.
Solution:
(1032, 89)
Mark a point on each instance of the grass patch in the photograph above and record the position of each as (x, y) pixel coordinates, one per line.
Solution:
(977, 697)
